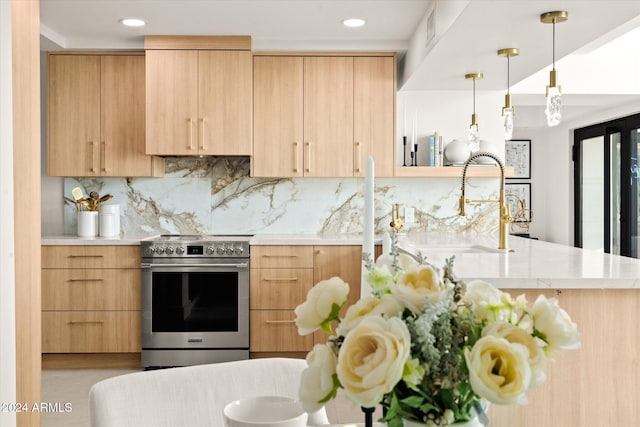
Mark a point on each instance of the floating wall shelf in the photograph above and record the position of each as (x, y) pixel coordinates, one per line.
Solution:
(449, 171)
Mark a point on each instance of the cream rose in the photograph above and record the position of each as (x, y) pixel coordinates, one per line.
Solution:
(386, 306)
(316, 382)
(499, 370)
(316, 310)
(405, 261)
(418, 285)
(488, 302)
(515, 334)
(555, 325)
(372, 358)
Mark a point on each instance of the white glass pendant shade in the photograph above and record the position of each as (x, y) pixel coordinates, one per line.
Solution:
(508, 123)
(474, 138)
(553, 109)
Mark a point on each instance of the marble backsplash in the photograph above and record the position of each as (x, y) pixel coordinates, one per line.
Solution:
(217, 196)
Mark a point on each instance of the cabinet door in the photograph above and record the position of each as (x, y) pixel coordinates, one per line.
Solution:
(328, 116)
(122, 118)
(224, 103)
(344, 262)
(171, 81)
(374, 113)
(73, 115)
(277, 116)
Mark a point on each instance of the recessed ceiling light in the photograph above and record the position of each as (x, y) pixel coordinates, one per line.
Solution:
(353, 22)
(132, 22)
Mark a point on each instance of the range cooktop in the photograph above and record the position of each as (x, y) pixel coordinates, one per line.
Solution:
(196, 245)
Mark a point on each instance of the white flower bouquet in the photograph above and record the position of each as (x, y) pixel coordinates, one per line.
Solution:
(427, 346)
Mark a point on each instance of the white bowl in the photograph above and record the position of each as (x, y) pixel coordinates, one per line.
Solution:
(265, 411)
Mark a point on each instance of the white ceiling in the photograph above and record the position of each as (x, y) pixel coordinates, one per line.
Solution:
(467, 34)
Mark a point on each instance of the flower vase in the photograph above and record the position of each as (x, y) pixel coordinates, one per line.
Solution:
(474, 422)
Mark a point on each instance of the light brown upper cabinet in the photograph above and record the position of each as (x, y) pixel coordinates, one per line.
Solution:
(321, 116)
(95, 116)
(198, 96)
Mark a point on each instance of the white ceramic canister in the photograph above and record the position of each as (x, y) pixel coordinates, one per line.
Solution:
(109, 220)
(88, 223)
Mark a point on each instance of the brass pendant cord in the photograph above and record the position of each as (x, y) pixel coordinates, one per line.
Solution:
(553, 46)
(474, 96)
(508, 73)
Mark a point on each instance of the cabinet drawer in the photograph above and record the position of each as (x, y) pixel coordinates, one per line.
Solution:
(275, 330)
(87, 256)
(91, 331)
(280, 288)
(94, 289)
(282, 257)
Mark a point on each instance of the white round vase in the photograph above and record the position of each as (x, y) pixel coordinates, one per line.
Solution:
(457, 151)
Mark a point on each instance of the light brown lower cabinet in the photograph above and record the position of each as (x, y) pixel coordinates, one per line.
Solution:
(91, 331)
(281, 277)
(91, 306)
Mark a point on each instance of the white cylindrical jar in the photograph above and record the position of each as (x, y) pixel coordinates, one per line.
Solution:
(109, 220)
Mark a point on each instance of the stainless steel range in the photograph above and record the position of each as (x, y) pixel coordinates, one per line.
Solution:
(195, 300)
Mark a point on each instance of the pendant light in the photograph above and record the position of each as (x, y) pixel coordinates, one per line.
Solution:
(553, 108)
(474, 136)
(508, 110)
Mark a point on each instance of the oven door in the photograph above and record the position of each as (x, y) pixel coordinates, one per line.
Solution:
(195, 304)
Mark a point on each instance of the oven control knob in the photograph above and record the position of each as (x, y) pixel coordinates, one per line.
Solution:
(151, 250)
(229, 250)
(179, 250)
(169, 250)
(210, 250)
(239, 250)
(220, 250)
(160, 250)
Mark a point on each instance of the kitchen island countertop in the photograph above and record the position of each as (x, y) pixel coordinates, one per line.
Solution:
(530, 264)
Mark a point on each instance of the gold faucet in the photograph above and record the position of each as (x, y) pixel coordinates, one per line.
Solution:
(396, 220)
(504, 211)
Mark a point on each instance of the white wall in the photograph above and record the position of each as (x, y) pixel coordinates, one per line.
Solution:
(7, 274)
(449, 113)
(552, 173)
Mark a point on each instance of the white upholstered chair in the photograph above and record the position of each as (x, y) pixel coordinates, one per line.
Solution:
(192, 396)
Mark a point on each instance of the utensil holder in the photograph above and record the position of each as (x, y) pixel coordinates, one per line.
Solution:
(88, 223)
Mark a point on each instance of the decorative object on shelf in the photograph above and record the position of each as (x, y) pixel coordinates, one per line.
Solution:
(415, 149)
(474, 133)
(404, 151)
(517, 154)
(427, 346)
(508, 111)
(457, 152)
(553, 108)
(519, 198)
(487, 147)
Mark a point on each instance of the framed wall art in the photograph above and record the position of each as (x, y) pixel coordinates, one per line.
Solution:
(517, 154)
(518, 197)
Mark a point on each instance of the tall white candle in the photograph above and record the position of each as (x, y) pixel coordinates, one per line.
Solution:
(404, 120)
(368, 231)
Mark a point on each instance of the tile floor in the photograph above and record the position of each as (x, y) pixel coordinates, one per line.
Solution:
(72, 386)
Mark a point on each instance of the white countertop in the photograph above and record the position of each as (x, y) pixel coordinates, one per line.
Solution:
(258, 239)
(72, 239)
(309, 239)
(531, 264)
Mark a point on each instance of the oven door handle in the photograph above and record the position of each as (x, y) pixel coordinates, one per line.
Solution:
(213, 265)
